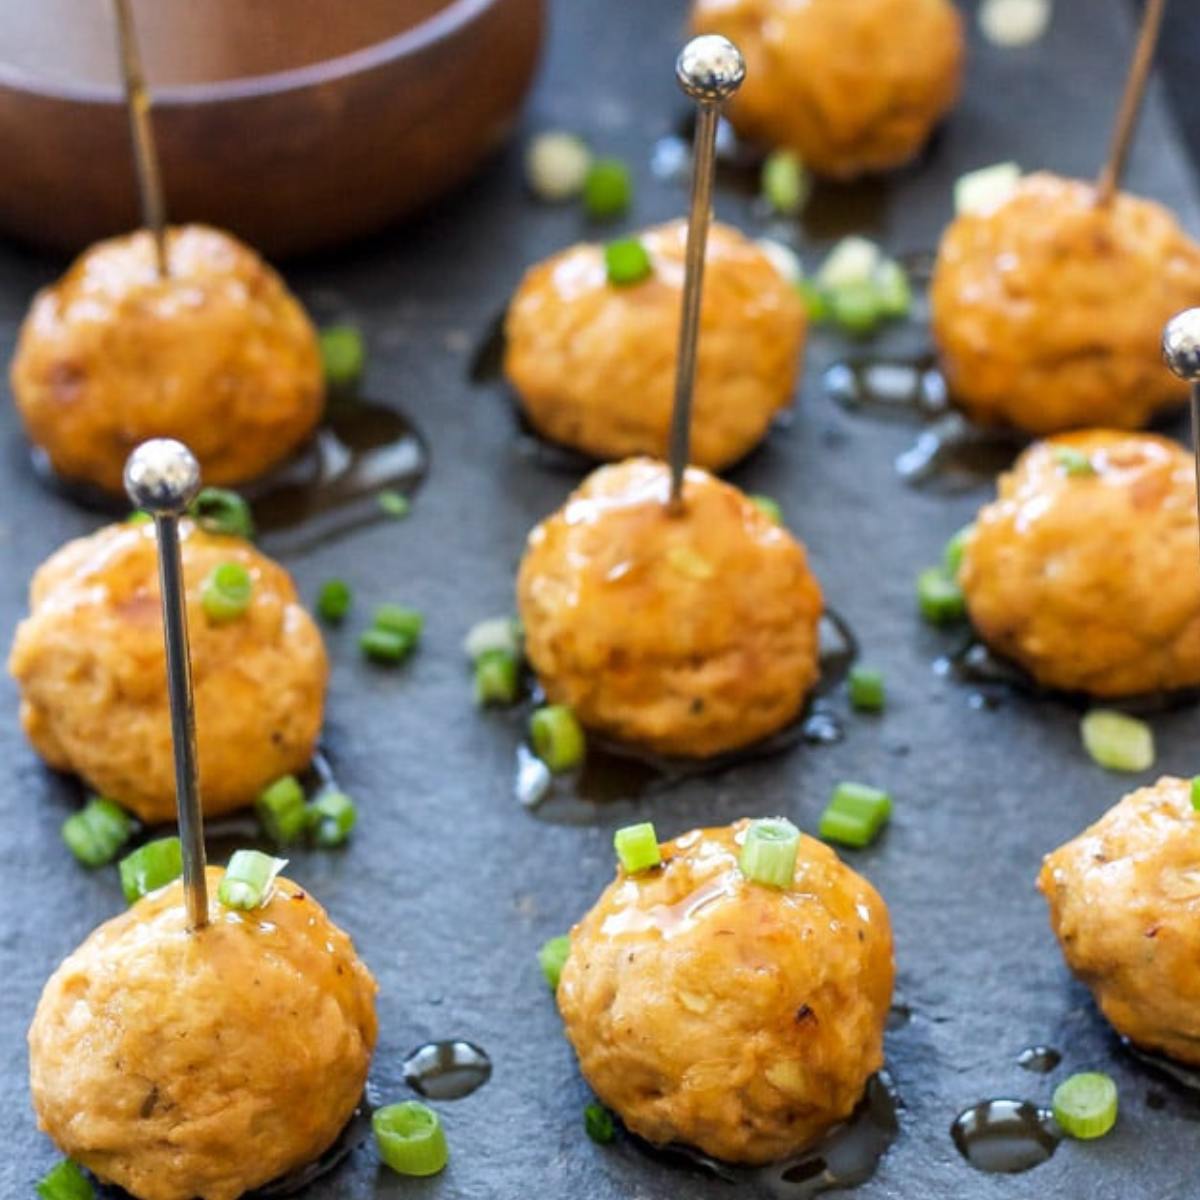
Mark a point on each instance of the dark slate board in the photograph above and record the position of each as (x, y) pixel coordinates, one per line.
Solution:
(450, 887)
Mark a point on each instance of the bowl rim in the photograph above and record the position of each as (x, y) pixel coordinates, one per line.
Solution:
(441, 26)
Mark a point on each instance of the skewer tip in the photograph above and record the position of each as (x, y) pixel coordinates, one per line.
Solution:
(162, 476)
(710, 68)
(1181, 345)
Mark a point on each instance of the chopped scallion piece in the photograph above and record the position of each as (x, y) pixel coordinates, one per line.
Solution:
(769, 852)
(939, 597)
(248, 879)
(385, 645)
(637, 847)
(552, 957)
(343, 356)
(1116, 741)
(556, 165)
(334, 600)
(892, 292)
(393, 503)
(557, 737)
(226, 593)
(497, 678)
(607, 188)
(855, 814)
(399, 618)
(785, 183)
(65, 1181)
(1085, 1106)
(150, 867)
(218, 510)
(331, 817)
(410, 1138)
(867, 691)
(1073, 462)
(854, 260)
(598, 1122)
(768, 507)
(496, 633)
(815, 300)
(1196, 792)
(97, 831)
(952, 555)
(282, 810)
(627, 262)
(980, 190)
(845, 828)
(855, 307)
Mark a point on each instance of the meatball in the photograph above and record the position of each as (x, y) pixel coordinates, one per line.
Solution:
(1084, 569)
(852, 86)
(740, 1019)
(218, 354)
(1048, 311)
(180, 1065)
(594, 364)
(687, 634)
(90, 664)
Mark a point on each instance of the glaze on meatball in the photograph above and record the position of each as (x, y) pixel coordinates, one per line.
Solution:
(852, 86)
(740, 1019)
(1090, 581)
(686, 634)
(593, 364)
(219, 355)
(90, 665)
(180, 1065)
(1048, 311)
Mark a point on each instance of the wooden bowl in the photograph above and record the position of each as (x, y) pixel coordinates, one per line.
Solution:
(294, 123)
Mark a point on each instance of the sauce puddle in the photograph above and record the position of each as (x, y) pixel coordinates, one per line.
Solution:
(1005, 1137)
(448, 1070)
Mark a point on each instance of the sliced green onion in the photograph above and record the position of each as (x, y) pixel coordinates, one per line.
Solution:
(893, 295)
(248, 879)
(557, 737)
(331, 818)
(1117, 741)
(226, 593)
(385, 645)
(845, 828)
(343, 356)
(855, 307)
(598, 1122)
(399, 618)
(607, 188)
(816, 301)
(768, 507)
(334, 600)
(1073, 462)
(496, 633)
(393, 503)
(1086, 1105)
(952, 555)
(218, 510)
(979, 190)
(627, 262)
(556, 165)
(939, 597)
(637, 847)
(1196, 792)
(97, 831)
(150, 867)
(552, 957)
(854, 260)
(139, 516)
(855, 814)
(497, 678)
(867, 691)
(65, 1181)
(769, 852)
(786, 185)
(410, 1138)
(282, 810)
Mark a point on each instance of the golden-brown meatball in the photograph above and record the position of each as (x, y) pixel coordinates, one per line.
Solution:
(219, 354)
(1123, 899)
(180, 1065)
(688, 634)
(594, 364)
(1090, 581)
(1048, 311)
(740, 1019)
(91, 667)
(852, 86)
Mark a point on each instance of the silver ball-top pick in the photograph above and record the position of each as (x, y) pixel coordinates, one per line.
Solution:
(1181, 352)
(709, 69)
(163, 477)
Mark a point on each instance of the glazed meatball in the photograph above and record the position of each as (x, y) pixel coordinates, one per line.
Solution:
(1084, 569)
(180, 1065)
(740, 1019)
(218, 354)
(687, 634)
(852, 86)
(90, 664)
(593, 364)
(1123, 898)
(1048, 310)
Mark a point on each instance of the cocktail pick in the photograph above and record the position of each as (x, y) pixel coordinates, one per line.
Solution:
(1181, 350)
(145, 153)
(1131, 102)
(709, 69)
(162, 477)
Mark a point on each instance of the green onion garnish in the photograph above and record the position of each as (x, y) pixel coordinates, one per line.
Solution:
(1196, 792)
(410, 1138)
(334, 600)
(552, 957)
(855, 307)
(816, 302)
(496, 633)
(139, 516)
(150, 867)
(556, 165)
(393, 503)
(97, 831)
(607, 188)
(768, 507)
(343, 356)
(218, 510)
(282, 810)
(939, 597)
(952, 555)
(637, 847)
(331, 817)
(399, 618)
(557, 737)
(497, 678)
(598, 1122)
(248, 879)
(385, 646)
(1086, 1105)
(867, 691)
(1073, 462)
(983, 189)
(854, 260)
(855, 815)
(627, 262)
(225, 594)
(1116, 741)
(892, 291)
(65, 1181)
(785, 183)
(769, 852)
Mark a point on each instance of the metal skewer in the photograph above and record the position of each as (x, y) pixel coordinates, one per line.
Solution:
(709, 69)
(162, 477)
(1131, 102)
(145, 153)
(1181, 350)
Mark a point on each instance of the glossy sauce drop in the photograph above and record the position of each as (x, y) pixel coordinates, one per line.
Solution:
(1041, 1060)
(1005, 1137)
(447, 1070)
